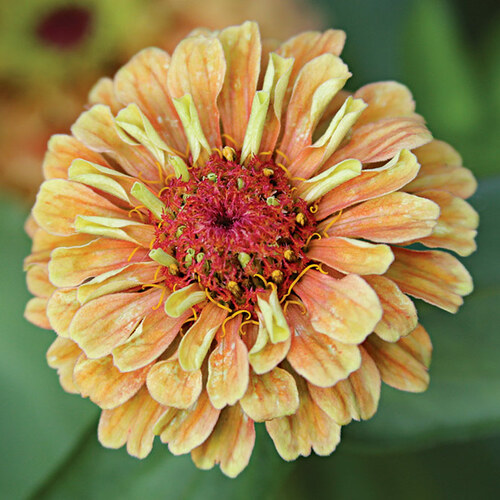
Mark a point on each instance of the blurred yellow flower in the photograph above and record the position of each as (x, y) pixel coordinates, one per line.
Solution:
(223, 240)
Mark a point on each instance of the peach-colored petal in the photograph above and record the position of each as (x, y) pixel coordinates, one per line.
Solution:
(72, 265)
(36, 312)
(385, 100)
(356, 397)
(37, 279)
(309, 428)
(104, 384)
(438, 152)
(131, 423)
(228, 367)
(59, 202)
(143, 81)
(149, 341)
(242, 50)
(232, 427)
(456, 226)
(170, 385)
(185, 430)
(31, 226)
(104, 93)
(419, 345)
(317, 83)
(62, 356)
(400, 366)
(61, 151)
(317, 357)
(381, 140)
(198, 68)
(196, 342)
(61, 308)
(393, 218)
(433, 276)
(270, 395)
(345, 309)
(372, 183)
(351, 256)
(400, 315)
(104, 323)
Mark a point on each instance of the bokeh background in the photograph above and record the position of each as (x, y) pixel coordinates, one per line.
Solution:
(438, 445)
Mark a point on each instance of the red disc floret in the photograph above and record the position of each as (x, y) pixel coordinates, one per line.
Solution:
(231, 225)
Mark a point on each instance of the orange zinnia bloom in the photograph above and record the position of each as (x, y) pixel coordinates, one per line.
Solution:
(223, 240)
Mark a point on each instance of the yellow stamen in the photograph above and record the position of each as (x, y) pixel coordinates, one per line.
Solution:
(162, 296)
(132, 254)
(268, 172)
(313, 208)
(300, 219)
(139, 175)
(160, 171)
(298, 179)
(229, 153)
(311, 237)
(279, 152)
(195, 314)
(289, 255)
(262, 278)
(209, 297)
(287, 172)
(241, 311)
(156, 273)
(219, 152)
(296, 280)
(247, 322)
(266, 153)
(136, 210)
(227, 136)
(302, 306)
(331, 223)
(234, 288)
(277, 276)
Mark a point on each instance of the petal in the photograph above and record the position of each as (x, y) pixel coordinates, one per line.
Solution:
(433, 276)
(242, 50)
(196, 342)
(438, 152)
(35, 312)
(198, 68)
(37, 278)
(381, 140)
(143, 81)
(345, 309)
(318, 358)
(400, 316)
(62, 356)
(356, 397)
(185, 430)
(182, 300)
(351, 256)
(104, 93)
(104, 384)
(228, 367)
(393, 218)
(170, 385)
(59, 202)
(265, 355)
(309, 428)
(399, 366)
(233, 427)
(70, 266)
(271, 395)
(372, 183)
(273, 318)
(61, 308)
(317, 83)
(104, 323)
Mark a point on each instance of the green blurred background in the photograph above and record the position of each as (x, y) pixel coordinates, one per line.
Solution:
(438, 445)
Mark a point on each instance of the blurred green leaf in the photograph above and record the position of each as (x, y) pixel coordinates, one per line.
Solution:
(39, 423)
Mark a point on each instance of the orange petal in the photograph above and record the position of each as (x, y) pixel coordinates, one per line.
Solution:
(61, 309)
(393, 218)
(143, 81)
(37, 279)
(73, 265)
(198, 68)
(372, 183)
(381, 140)
(170, 385)
(104, 93)
(419, 345)
(104, 384)
(271, 395)
(456, 226)
(242, 50)
(356, 397)
(131, 423)
(149, 341)
(433, 276)
(104, 323)
(228, 367)
(36, 312)
(184, 430)
(62, 356)
(233, 427)
(59, 202)
(400, 315)
(61, 151)
(345, 309)
(196, 342)
(351, 256)
(309, 428)
(385, 100)
(318, 358)
(399, 366)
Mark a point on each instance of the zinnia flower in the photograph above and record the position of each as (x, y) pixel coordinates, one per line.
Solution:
(224, 240)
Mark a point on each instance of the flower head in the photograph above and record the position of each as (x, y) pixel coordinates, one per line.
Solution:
(224, 240)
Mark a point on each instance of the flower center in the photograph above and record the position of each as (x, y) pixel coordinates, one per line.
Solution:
(65, 27)
(234, 229)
